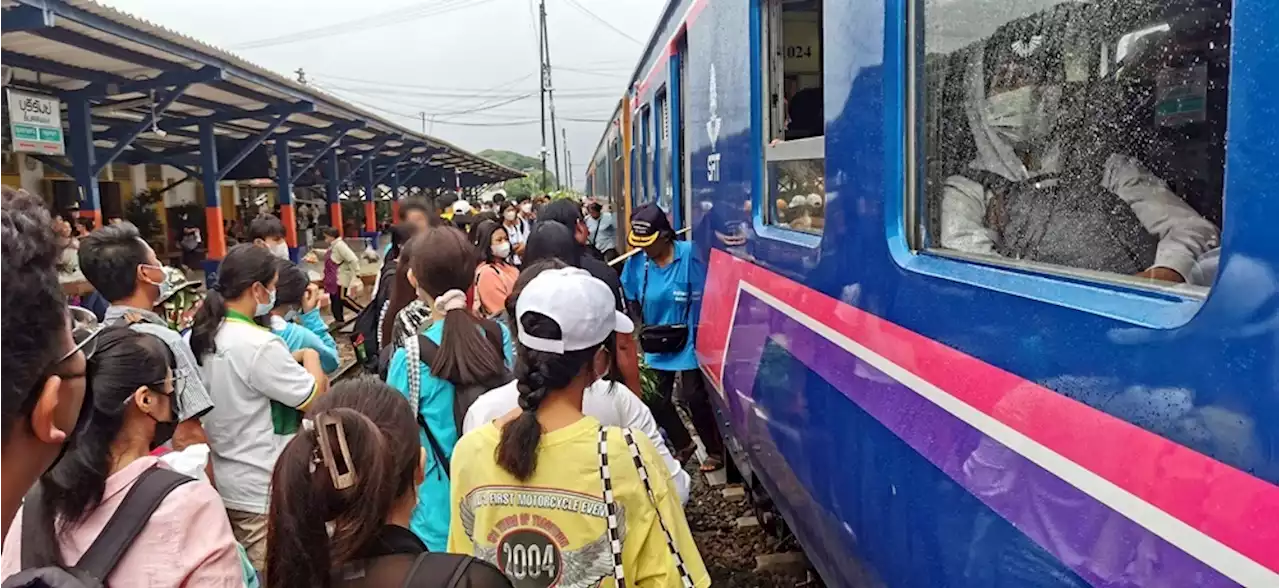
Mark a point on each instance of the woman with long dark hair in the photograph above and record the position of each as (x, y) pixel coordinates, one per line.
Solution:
(354, 468)
(186, 541)
(442, 350)
(546, 466)
(494, 274)
(259, 388)
(296, 316)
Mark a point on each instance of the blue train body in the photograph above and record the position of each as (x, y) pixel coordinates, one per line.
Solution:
(922, 419)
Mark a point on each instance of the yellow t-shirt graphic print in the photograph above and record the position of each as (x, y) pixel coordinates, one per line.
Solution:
(552, 531)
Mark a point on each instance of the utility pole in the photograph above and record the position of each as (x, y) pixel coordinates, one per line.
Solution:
(424, 121)
(542, 88)
(568, 162)
(551, 97)
(302, 76)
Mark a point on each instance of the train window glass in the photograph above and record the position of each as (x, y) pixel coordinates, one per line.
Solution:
(794, 147)
(1085, 138)
(663, 162)
(646, 154)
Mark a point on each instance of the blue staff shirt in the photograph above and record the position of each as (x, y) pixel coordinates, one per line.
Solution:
(667, 298)
(311, 334)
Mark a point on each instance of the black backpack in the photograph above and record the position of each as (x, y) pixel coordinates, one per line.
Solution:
(112, 543)
(364, 336)
(450, 570)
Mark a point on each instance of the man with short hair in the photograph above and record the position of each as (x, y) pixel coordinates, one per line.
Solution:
(41, 368)
(125, 270)
(267, 231)
(416, 212)
(602, 231)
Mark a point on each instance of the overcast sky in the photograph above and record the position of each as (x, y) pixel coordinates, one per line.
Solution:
(402, 57)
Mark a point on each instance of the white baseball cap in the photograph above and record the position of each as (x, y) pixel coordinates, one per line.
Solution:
(461, 207)
(581, 305)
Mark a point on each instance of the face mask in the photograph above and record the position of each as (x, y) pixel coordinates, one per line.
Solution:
(163, 285)
(263, 308)
(509, 214)
(280, 250)
(1024, 115)
(501, 250)
(291, 316)
(526, 208)
(164, 429)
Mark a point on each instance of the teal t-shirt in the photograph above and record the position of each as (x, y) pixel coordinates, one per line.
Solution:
(671, 292)
(430, 520)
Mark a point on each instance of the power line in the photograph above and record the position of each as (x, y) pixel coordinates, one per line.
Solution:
(597, 18)
(395, 84)
(373, 21)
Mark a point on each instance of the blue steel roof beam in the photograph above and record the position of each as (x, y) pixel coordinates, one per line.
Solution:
(48, 66)
(321, 153)
(25, 19)
(179, 76)
(391, 166)
(132, 133)
(367, 155)
(115, 130)
(54, 163)
(183, 162)
(79, 15)
(252, 144)
(224, 118)
(423, 164)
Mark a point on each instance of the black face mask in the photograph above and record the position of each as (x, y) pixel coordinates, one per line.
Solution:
(164, 429)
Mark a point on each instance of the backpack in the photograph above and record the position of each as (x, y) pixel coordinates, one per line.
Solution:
(450, 570)
(112, 543)
(463, 395)
(364, 337)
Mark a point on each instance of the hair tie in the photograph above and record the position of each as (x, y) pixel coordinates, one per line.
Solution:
(452, 300)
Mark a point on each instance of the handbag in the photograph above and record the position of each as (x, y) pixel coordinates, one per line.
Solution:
(669, 338)
(611, 509)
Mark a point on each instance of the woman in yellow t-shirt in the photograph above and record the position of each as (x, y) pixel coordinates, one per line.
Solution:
(601, 510)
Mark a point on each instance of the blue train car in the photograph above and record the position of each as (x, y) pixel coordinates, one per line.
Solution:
(992, 290)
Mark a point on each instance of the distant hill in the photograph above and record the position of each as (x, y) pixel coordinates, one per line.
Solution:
(512, 159)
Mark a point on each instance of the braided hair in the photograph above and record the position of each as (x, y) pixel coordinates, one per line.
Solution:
(538, 374)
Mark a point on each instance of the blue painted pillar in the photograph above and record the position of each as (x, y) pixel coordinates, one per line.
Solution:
(217, 238)
(284, 196)
(370, 210)
(331, 191)
(82, 156)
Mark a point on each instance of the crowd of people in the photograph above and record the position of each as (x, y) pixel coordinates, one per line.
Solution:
(500, 438)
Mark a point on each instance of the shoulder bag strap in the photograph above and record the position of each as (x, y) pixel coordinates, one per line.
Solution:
(33, 530)
(685, 579)
(437, 450)
(135, 511)
(611, 510)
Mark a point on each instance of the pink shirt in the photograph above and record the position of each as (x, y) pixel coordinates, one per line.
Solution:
(187, 542)
(493, 284)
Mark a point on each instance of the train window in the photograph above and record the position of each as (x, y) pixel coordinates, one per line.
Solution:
(1085, 138)
(646, 154)
(663, 165)
(791, 34)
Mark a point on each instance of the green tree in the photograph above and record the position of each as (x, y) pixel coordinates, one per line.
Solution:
(530, 185)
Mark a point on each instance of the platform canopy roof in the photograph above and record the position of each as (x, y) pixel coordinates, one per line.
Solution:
(128, 68)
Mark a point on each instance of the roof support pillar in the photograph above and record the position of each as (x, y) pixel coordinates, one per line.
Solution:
(217, 238)
(395, 195)
(284, 196)
(82, 158)
(331, 186)
(370, 209)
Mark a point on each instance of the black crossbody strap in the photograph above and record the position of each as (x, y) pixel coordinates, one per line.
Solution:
(437, 450)
(688, 290)
(135, 511)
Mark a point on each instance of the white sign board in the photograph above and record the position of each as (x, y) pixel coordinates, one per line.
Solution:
(35, 123)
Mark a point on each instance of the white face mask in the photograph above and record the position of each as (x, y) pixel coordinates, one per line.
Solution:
(1024, 115)
(265, 307)
(280, 250)
(510, 214)
(526, 208)
(501, 250)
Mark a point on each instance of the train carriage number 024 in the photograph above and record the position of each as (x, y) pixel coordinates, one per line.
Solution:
(799, 52)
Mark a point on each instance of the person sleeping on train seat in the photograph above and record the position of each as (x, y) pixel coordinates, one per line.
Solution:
(1032, 193)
